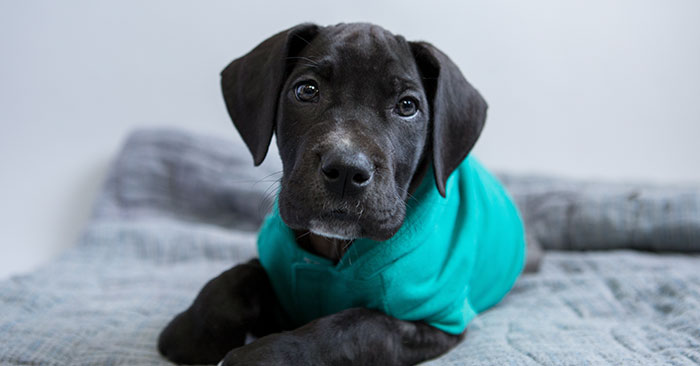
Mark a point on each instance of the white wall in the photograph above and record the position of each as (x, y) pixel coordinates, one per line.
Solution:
(585, 88)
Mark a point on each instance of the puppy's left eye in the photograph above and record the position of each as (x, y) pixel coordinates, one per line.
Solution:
(407, 107)
(306, 91)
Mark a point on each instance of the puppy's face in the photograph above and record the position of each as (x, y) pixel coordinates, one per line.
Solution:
(358, 113)
(352, 124)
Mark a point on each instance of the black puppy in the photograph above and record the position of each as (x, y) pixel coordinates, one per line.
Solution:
(361, 116)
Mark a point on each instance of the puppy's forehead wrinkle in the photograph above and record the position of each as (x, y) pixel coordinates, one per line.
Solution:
(363, 54)
(364, 42)
(323, 68)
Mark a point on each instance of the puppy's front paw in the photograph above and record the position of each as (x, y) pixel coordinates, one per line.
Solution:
(273, 350)
(187, 341)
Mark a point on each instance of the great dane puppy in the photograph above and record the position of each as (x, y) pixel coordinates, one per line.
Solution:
(367, 123)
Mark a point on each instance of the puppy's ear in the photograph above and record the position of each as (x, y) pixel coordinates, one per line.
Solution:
(252, 84)
(458, 110)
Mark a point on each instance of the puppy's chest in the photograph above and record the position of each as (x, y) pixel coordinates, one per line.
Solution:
(393, 281)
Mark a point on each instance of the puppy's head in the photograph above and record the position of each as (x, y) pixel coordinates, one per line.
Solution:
(358, 113)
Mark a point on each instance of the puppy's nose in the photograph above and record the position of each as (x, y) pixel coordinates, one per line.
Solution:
(346, 173)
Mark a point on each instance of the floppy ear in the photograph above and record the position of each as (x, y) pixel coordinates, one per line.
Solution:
(458, 110)
(252, 84)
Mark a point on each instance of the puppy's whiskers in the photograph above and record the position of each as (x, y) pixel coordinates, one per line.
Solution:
(254, 181)
(302, 38)
(268, 201)
(310, 62)
(265, 178)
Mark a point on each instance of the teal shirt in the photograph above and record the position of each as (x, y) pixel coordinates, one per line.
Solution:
(452, 258)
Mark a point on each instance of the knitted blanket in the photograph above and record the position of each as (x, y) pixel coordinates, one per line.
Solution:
(177, 209)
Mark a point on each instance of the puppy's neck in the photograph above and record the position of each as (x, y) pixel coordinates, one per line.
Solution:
(330, 248)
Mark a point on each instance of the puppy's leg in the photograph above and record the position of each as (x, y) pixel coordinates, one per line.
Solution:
(236, 302)
(352, 337)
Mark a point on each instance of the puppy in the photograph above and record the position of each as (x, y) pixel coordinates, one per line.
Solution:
(386, 238)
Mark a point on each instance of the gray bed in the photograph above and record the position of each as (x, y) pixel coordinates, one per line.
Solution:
(178, 208)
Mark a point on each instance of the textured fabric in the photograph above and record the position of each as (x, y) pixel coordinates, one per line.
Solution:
(177, 209)
(454, 257)
(584, 215)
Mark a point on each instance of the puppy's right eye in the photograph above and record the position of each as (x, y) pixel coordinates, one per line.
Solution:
(306, 91)
(407, 107)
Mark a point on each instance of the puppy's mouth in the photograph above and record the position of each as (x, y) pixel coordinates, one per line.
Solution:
(336, 224)
(308, 207)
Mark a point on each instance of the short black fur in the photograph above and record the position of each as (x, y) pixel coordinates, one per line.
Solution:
(351, 130)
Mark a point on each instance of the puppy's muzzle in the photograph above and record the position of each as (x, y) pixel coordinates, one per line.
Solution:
(346, 172)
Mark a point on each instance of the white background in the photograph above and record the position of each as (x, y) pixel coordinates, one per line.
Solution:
(582, 88)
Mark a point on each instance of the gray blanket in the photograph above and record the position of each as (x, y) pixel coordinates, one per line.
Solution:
(177, 209)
